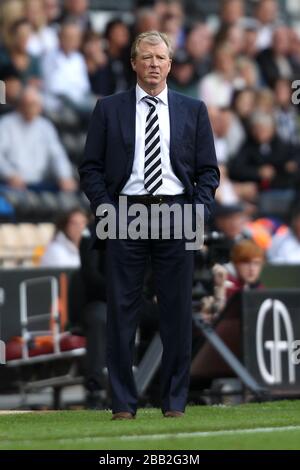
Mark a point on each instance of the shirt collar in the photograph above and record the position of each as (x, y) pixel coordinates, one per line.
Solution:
(163, 95)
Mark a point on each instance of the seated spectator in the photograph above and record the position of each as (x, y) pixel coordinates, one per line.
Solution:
(267, 15)
(231, 12)
(52, 11)
(216, 88)
(147, 19)
(117, 38)
(183, 75)
(43, 38)
(243, 105)
(175, 15)
(16, 55)
(199, 41)
(250, 49)
(76, 11)
(99, 70)
(233, 35)
(285, 248)
(286, 116)
(65, 76)
(247, 260)
(275, 62)
(10, 12)
(265, 101)
(229, 134)
(63, 250)
(31, 154)
(265, 159)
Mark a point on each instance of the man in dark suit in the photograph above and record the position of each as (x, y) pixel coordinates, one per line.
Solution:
(154, 146)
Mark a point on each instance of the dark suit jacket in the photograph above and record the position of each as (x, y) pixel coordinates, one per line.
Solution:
(110, 146)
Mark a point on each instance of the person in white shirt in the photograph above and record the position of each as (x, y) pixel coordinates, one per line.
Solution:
(285, 248)
(30, 150)
(65, 75)
(43, 38)
(216, 88)
(63, 250)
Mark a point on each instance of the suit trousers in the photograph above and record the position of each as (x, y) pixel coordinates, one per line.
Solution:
(172, 267)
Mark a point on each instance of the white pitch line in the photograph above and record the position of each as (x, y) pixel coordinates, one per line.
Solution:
(138, 437)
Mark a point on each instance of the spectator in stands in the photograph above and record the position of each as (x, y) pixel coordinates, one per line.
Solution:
(183, 75)
(285, 248)
(216, 88)
(229, 134)
(99, 70)
(173, 24)
(43, 38)
(267, 15)
(65, 76)
(231, 12)
(265, 101)
(275, 62)
(265, 159)
(146, 20)
(52, 11)
(10, 12)
(243, 105)
(199, 42)
(118, 38)
(77, 11)
(286, 116)
(31, 154)
(247, 261)
(63, 250)
(233, 35)
(16, 54)
(250, 39)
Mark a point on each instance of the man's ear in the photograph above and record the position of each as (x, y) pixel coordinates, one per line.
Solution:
(133, 64)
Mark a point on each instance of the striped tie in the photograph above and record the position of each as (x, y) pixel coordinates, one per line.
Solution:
(152, 167)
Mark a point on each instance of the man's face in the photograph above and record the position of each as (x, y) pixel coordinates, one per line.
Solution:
(30, 106)
(152, 65)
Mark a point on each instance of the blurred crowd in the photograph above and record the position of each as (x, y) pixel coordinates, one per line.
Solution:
(56, 64)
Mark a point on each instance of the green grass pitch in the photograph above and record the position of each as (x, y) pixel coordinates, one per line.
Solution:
(273, 425)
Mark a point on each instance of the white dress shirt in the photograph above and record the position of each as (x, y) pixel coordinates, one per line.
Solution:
(135, 184)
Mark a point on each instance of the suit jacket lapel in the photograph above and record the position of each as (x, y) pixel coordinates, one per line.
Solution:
(127, 121)
(178, 115)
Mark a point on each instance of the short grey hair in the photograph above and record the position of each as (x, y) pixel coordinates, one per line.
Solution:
(151, 37)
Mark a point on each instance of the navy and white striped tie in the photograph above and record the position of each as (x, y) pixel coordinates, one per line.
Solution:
(152, 167)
